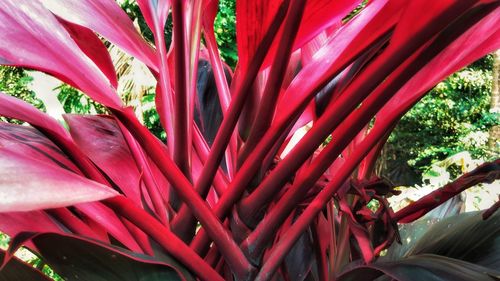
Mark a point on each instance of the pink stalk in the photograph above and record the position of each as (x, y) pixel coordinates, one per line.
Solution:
(167, 107)
(220, 181)
(222, 91)
(182, 127)
(164, 237)
(231, 252)
(185, 229)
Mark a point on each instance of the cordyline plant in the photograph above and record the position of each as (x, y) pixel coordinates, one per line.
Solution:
(230, 195)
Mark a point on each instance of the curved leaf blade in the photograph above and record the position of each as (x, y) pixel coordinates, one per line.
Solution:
(43, 185)
(31, 36)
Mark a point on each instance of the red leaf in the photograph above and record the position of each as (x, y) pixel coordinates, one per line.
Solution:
(34, 221)
(250, 34)
(94, 48)
(32, 37)
(43, 185)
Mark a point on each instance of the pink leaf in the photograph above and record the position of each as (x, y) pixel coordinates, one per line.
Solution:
(32, 37)
(102, 141)
(94, 48)
(43, 185)
(29, 142)
(109, 20)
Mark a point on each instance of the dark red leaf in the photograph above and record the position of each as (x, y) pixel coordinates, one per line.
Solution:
(82, 259)
(420, 268)
(100, 138)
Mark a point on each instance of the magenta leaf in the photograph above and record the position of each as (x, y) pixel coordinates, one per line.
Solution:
(18, 109)
(54, 187)
(14, 223)
(32, 37)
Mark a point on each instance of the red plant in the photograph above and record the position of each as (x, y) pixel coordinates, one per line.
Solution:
(223, 201)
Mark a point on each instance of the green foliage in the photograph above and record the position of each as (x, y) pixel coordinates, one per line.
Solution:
(225, 31)
(4, 241)
(73, 101)
(14, 81)
(151, 117)
(453, 117)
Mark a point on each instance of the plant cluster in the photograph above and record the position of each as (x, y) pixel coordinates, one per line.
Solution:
(231, 194)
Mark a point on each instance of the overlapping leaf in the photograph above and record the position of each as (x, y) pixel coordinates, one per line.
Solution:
(102, 141)
(109, 20)
(32, 37)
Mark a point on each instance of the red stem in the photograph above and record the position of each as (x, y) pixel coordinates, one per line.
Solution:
(182, 126)
(164, 84)
(231, 117)
(73, 223)
(222, 91)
